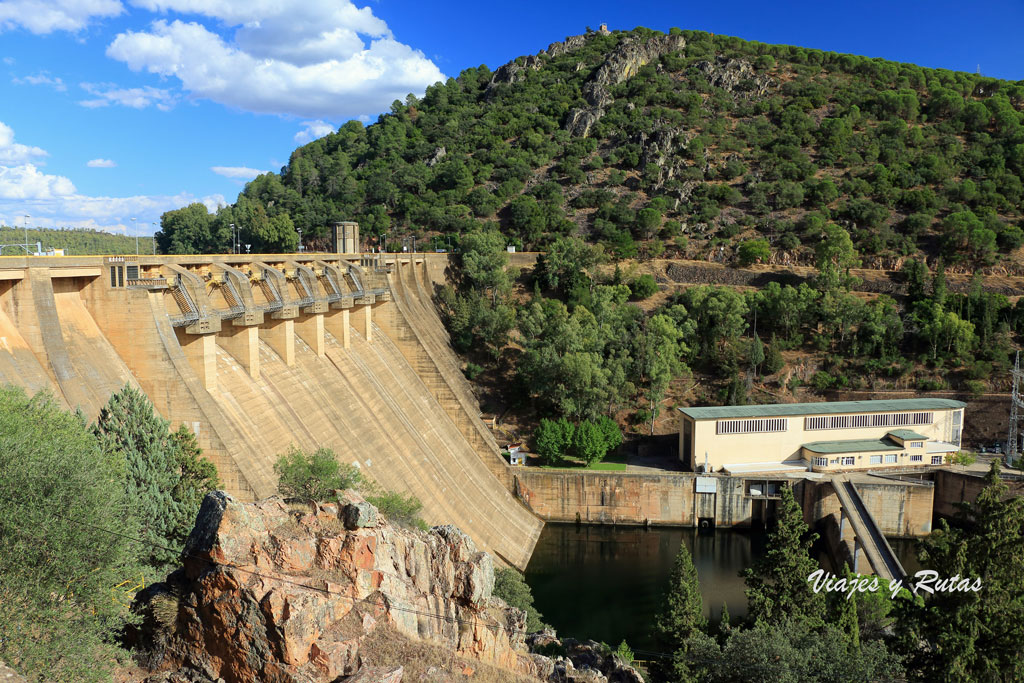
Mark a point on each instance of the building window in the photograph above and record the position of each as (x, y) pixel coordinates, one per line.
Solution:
(821, 462)
(890, 458)
(773, 424)
(916, 458)
(847, 460)
(113, 277)
(937, 459)
(876, 420)
(133, 272)
(876, 460)
(917, 444)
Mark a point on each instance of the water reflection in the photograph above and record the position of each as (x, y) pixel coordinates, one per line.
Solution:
(607, 583)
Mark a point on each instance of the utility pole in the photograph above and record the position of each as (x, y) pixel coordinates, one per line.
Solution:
(1015, 405)
(26, 233)
(136, 236)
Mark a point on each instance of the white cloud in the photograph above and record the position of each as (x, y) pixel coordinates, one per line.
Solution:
(100, 163)
(53, 200)
(315, 59)
(237, 172)
(47, 16)
(312, 130)
(136, 98)
(42, 79)
(27, 182)
(12, 152)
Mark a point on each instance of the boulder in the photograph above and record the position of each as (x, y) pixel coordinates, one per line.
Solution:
(267, 592)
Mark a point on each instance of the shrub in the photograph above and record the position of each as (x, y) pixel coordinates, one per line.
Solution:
(57, 618)
(309, 477)
(822, 381)
(643, 287)
(510, 587)
(753, 251)
(961, 458)
(472, 371)
(401, 510)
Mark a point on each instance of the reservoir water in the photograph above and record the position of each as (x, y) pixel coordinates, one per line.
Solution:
(606, 583)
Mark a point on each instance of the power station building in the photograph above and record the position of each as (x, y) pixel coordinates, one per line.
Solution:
(820, 437)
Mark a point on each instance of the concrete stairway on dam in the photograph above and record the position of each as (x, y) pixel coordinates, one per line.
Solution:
(414, 325)
(368, 405)
(868, 536)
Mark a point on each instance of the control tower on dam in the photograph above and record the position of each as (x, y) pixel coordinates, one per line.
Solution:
(256, 353)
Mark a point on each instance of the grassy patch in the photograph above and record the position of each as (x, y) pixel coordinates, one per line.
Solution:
(611, 465)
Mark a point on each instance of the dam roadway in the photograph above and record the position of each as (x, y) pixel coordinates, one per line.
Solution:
(258, 353)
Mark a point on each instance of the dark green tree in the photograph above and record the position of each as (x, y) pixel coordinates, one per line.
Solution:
(973, 635)
(681, 617)
(163, 478)
(187, 231)
(777, 586)
(553, 439)
(510, 586)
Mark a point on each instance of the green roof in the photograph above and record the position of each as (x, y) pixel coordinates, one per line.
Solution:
(853, 446)
(907, 434)
(821, 408)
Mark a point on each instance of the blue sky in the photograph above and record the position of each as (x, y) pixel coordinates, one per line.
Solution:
(113, 109)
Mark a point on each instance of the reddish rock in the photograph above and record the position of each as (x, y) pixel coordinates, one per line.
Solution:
(270, 594)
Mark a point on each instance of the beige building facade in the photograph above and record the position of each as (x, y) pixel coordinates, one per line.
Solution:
(821, 437)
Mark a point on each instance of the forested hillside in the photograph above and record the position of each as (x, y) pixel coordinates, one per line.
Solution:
(74, 241)
(644, 141)
(616, 147)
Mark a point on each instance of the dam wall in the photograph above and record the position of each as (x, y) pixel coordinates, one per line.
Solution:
(902, 509)
(255, 356)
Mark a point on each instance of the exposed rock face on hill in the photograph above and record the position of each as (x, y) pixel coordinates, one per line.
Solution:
(624, 62)
(734, 75)
(270, 594)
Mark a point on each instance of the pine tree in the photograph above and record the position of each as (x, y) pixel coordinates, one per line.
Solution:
(164, 483)
(974, 635)
(682, 613)
(756, 354)
(773, 360)
(777, 584)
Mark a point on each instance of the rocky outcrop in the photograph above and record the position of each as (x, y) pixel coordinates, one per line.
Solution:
(268, 592)
(8, 675)
(437, 155)
(735, 76)
(623, 63)
(575, 661)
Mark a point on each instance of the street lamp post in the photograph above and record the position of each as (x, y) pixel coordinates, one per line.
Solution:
(26, 232)
(153, 224)
(136, 236)
(234, 240)
(299, 230)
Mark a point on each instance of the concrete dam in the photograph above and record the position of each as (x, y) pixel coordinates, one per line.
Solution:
(256, 353)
